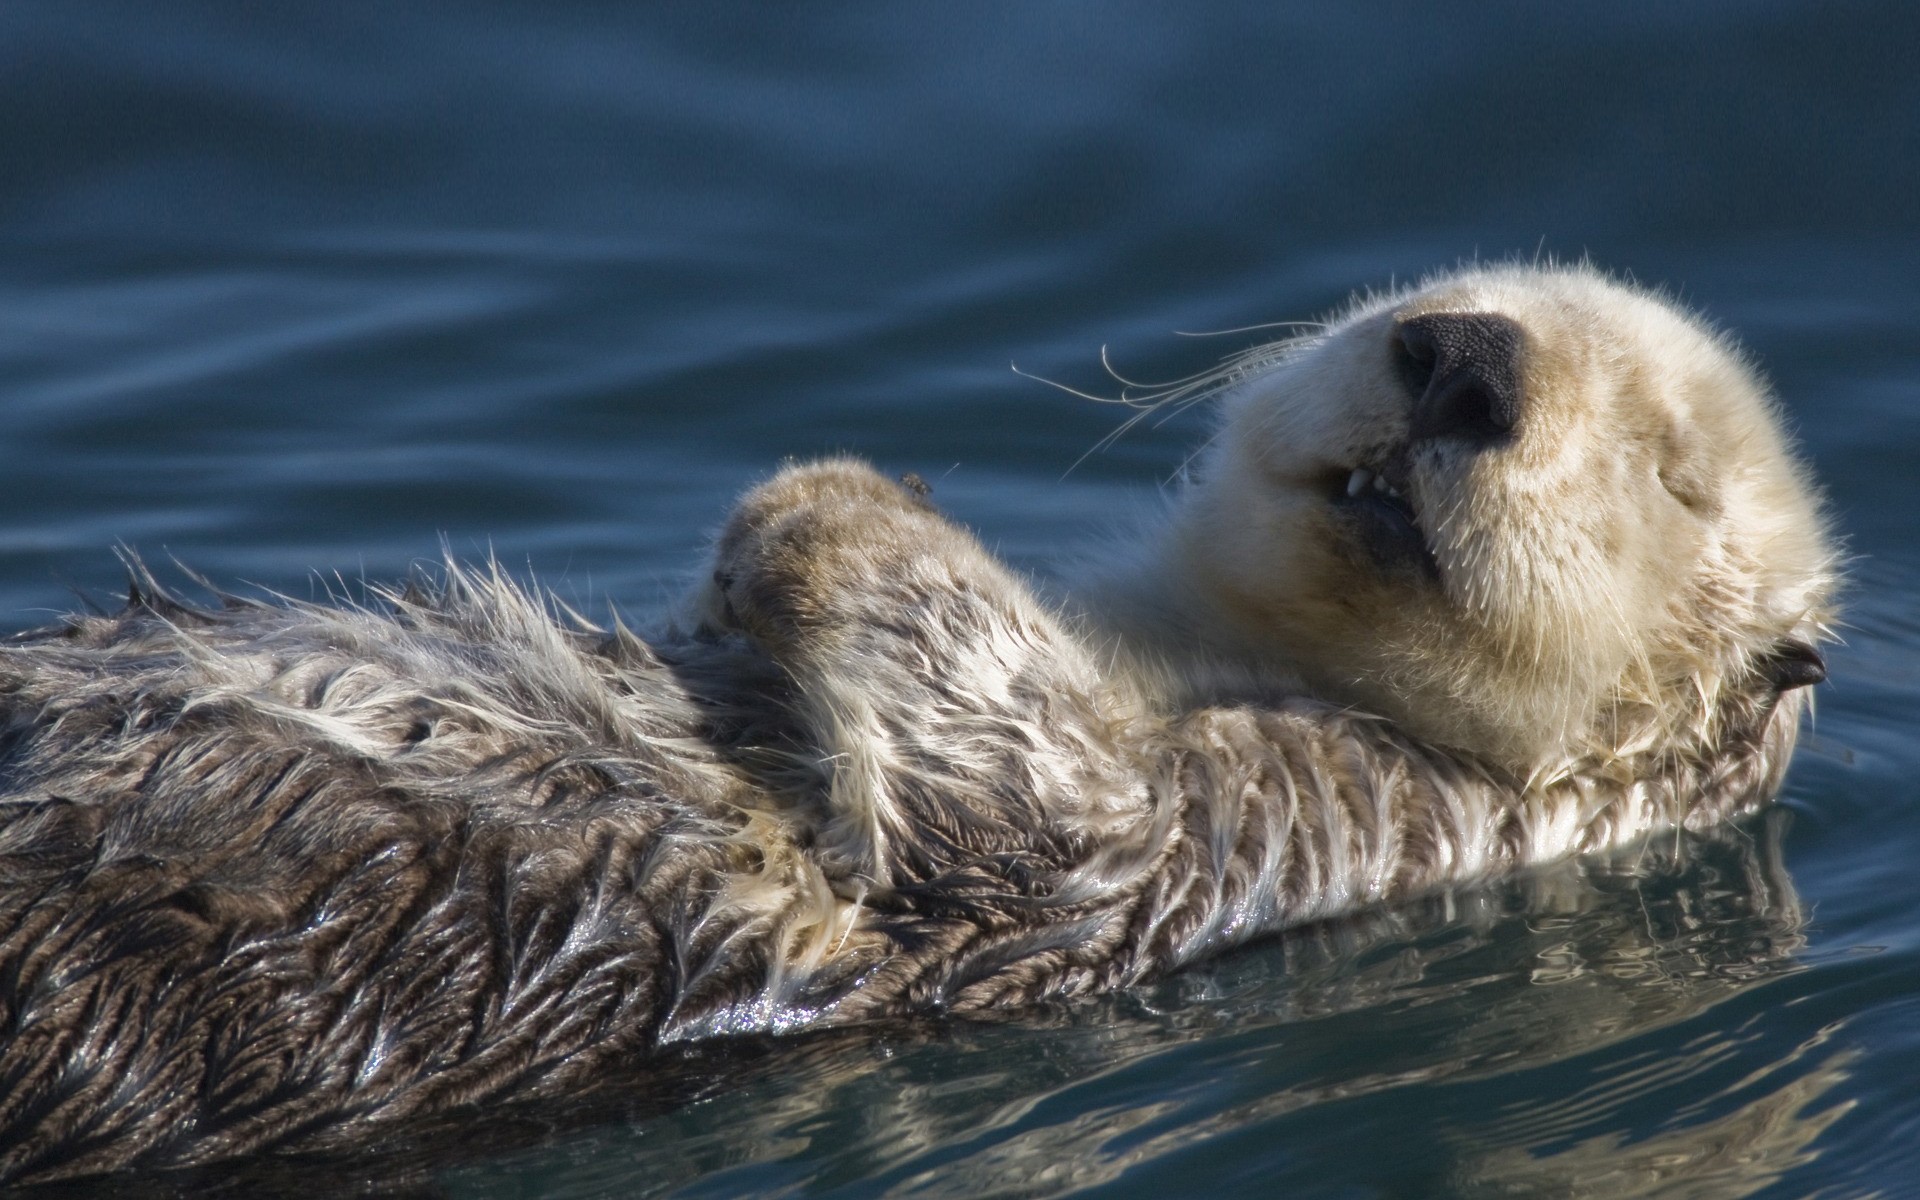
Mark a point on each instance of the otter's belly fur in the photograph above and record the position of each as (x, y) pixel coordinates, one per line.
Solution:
(277, 874)
(274, 874)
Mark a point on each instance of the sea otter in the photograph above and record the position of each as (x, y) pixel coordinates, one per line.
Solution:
(1502, 568)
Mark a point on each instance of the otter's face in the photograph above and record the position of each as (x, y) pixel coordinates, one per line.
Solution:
(1499, 506)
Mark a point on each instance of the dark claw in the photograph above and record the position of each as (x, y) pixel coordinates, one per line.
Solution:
(1794, 664)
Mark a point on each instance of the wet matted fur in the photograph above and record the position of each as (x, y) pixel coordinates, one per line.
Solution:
(277, 873)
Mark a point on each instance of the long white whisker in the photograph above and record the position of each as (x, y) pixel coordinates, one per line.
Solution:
(1202, 333)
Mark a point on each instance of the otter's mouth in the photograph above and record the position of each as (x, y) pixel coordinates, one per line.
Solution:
(1374, 501)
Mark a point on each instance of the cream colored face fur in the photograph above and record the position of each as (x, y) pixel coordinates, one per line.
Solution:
(1565, 576)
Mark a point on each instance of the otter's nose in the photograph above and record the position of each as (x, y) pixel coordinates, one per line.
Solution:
(1464, 372)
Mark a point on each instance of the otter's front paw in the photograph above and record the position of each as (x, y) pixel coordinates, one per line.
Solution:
(795, 540)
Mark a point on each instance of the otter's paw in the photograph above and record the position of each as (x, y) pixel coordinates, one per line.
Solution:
(812, 530)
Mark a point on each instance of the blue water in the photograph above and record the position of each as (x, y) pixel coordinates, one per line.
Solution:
(289, 290)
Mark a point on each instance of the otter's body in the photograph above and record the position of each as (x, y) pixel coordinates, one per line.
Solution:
(278, 874)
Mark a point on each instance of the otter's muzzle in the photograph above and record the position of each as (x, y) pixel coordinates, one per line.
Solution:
(1463, 370)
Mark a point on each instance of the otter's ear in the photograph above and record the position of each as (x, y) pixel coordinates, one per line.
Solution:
(1794, 664)
(1686, 472)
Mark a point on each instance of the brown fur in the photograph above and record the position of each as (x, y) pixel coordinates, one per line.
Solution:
(281, 874)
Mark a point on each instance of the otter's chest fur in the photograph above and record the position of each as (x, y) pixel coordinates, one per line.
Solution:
(276, 875)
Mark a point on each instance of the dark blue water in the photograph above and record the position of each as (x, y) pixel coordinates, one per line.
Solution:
(287, 288)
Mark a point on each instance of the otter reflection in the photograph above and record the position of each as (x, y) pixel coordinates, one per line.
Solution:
(1471, 990)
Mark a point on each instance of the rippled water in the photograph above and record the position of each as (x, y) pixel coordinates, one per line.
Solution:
(289, 288)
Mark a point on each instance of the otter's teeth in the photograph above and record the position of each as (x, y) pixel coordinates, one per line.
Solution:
(1381, 485)
(1358, 481)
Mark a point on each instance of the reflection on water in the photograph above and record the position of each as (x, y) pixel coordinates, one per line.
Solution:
(1590, 1029)
(1735, 1153)
(1467, 1010)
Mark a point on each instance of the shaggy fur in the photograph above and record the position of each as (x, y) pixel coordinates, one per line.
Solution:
(1587, 579)
(278, 874)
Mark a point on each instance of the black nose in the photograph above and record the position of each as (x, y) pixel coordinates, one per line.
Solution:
(1464, 372)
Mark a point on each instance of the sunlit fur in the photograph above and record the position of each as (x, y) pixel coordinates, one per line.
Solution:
(281, 874)
(1602, 580)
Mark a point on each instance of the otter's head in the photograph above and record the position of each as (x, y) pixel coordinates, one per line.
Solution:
(1528, 513)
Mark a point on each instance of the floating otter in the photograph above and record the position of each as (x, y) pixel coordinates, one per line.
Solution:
(1505, 568)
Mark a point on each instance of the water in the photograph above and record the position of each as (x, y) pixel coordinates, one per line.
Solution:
(287, 289)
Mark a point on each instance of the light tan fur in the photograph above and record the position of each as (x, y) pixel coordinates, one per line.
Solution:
(280, 874)
(1601, 579)
(1612, 586)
